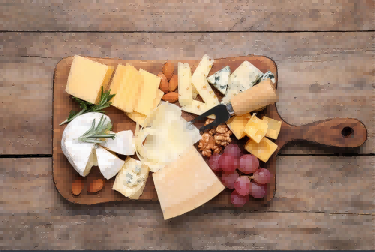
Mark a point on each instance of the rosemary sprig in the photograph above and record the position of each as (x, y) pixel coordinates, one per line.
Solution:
(96, 133)
(86, 107)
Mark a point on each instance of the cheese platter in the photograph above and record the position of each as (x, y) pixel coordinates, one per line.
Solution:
(88, 169)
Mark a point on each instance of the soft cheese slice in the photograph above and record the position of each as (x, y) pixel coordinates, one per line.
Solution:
(131, 179)
(109, 164)
(126, 84)
(241, 80)
(185, 184)
(145, 103)
(80, 154)
(220, 79)
(86, 79)
(140, 118)
(122, 143)
(199, 81)
(185, 88)
(198, 108)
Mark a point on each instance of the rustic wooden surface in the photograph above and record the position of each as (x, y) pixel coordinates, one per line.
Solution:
(325, 57)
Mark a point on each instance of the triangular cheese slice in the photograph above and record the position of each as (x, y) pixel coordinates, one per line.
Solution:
(109, 164)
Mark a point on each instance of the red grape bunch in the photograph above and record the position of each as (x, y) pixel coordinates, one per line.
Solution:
(229, 163)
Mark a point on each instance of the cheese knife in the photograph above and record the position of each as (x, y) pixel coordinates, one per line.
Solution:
(252, 99)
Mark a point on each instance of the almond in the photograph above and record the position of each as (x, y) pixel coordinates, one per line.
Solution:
(170, 97)
(96, 185)
(163, 83)
(173, 83)
(168, 70)
(77, 186)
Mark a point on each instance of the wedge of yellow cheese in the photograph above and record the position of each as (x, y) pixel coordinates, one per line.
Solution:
(237, 125)
(145, 100)
(274, 127)
(126, 84)
(262, 150)
(140, 118)
(185, 184)
(256, 129)
(86, 79)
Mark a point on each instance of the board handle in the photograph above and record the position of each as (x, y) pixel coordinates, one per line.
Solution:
(338, 132)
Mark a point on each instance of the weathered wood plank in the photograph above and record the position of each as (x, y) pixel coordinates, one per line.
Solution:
(144, 229)
(321, 75)
(26, 105)
(258, 15)
(311, 184)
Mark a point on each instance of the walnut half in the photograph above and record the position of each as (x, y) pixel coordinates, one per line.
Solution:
(213, 139)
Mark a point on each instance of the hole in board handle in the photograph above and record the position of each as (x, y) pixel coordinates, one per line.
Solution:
(347, 132)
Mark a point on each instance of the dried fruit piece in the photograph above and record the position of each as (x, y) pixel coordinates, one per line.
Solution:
(163, 83)
(168, 70)
(77, 186)
(170, 97)
(173, 83)
(96, 185)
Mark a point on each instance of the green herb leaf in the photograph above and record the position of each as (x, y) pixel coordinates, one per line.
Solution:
(96, 133)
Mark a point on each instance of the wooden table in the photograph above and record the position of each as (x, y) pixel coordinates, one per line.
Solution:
(325, 56)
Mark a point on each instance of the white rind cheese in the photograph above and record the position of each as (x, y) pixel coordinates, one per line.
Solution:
(241, 80)
(131, 179)
(122, 143)
(109, 164)
(220, 79)
(80, 153)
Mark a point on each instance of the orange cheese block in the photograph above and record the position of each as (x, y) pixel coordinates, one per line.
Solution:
(262, 150)
(185, 184)
(274, 127)
(256, 129)
(237, 125)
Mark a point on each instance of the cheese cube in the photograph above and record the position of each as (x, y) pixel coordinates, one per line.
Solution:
(237, 125)
(256, 129)
(149, 87)
(263, 150)
(86, 79)
(274, 127)
(126, 85)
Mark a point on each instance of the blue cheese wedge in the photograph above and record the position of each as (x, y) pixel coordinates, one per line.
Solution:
(269, 75)
(220, 79)
(241, 80)
(131, 179)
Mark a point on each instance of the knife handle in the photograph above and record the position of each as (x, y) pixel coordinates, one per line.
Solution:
(255, 98)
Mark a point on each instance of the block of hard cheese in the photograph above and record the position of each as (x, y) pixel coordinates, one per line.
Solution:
(86, 79)
(274, 127)
(185, 184)
(237, 125)
(145, 101)
(126, 84)
(256, 129)
(262, 150)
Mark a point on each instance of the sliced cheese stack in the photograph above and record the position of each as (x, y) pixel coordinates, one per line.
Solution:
(86, 79)
(191, 85)
(186, 184)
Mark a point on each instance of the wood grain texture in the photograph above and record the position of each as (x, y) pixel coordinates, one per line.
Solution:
(321, 75)
(258, 15)
(142, 229)
(63, 172)
(304, 184)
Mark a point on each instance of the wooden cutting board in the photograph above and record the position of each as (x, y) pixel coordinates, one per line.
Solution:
(336, 132)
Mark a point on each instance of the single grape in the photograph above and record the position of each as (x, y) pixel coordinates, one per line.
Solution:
(262, 176)
(228, 163)
(238, 200)
(248, 164)
(229, 179)
(242, 185)
(233, 150)
(258, 191)
(213, 162)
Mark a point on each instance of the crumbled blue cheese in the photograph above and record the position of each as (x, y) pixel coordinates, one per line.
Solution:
(241, 80)
(220, 79)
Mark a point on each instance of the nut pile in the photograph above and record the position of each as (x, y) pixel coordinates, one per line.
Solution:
(168, 83)
(214, 140)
